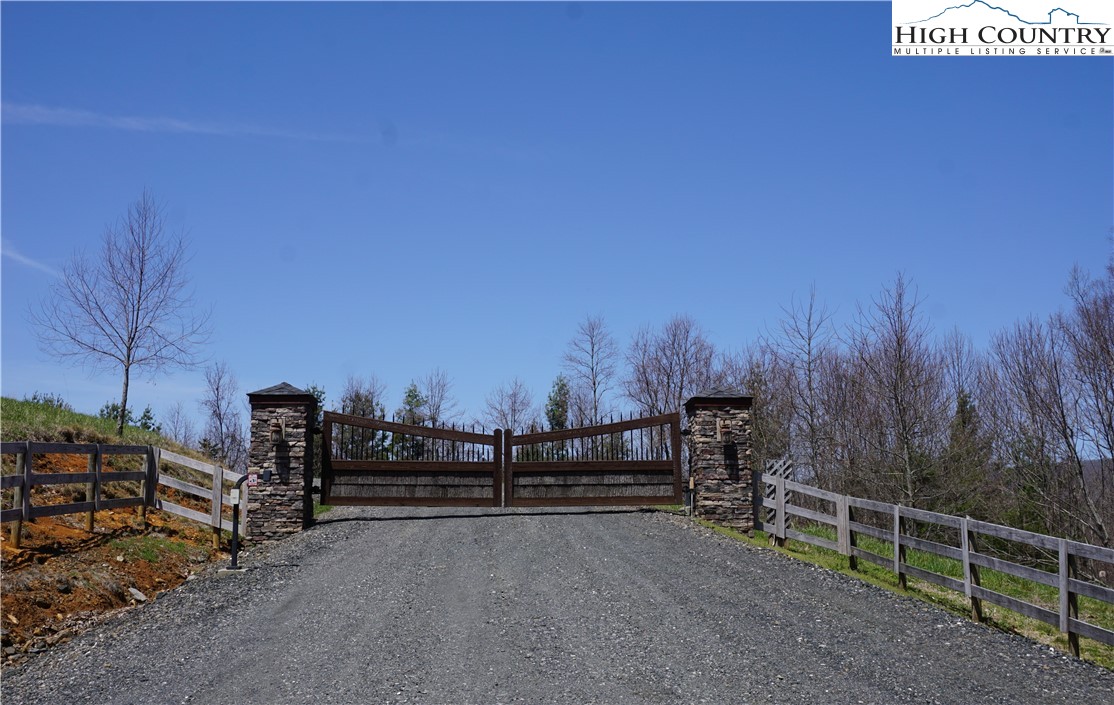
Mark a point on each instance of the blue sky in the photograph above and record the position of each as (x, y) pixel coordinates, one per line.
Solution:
(389, 188)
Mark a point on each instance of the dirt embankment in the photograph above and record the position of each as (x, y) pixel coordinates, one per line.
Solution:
(62, 579)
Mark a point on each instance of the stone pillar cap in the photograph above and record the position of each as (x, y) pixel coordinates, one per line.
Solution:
(283, 392)
(719, 398)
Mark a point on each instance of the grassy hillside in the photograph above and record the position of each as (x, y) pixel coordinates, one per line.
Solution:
(34, 421)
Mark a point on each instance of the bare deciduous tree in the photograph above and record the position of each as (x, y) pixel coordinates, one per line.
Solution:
(801, 350)
(1056, 409)
(963, 472)
(668, 367)
(224, 437)
(440, 405)
(904, 377)
(851, 423)
(1089, 332)
(1022, 436)
(510, 406)
(963, 364)
(128, 308)
(591, 360)
(364, 396)
(179, 427)
(758, 373)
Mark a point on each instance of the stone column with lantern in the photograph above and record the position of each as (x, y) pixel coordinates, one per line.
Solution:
(279, 497)
(719, 434)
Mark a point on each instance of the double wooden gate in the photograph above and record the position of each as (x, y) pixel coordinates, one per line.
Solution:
(377, 462)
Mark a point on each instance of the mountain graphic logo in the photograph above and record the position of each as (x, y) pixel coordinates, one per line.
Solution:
(981, 10)
(1003, 28)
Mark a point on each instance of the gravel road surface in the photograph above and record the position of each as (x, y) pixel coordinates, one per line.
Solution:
(474, 606)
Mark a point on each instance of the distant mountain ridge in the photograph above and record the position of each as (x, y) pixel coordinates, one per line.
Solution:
(981, 7)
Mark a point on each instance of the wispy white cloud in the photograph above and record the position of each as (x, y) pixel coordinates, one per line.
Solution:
(6, 250)
(25, 114)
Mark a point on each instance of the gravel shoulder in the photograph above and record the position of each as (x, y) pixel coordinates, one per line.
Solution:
(474, 606)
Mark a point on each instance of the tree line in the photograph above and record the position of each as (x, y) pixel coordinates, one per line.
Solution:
(1021, 432)
(884, 407)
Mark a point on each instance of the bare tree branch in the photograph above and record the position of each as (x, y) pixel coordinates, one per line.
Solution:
(440, 405)
(510, 406)
(179, 427)
(224, 439)
(667, 368)
(128, 308)
(590, 360)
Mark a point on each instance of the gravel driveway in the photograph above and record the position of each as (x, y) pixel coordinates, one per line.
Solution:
(474, 606)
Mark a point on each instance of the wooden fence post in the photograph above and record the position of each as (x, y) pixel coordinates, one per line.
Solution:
(218, 491)
(970, 572)
(149, 486)
(899, 550)
(98, 489)
(1069, 605)
(1073, 605)
(497, 489)
(28, 463)
(841, 526)
(849, 540)
(91, 488)
(508, 467)
(142, 509)
(756, 498)
(17, 501)
(779, 504)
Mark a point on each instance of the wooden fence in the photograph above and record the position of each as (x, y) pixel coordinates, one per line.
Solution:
(150, 478)
(900, 521)
(215, 493)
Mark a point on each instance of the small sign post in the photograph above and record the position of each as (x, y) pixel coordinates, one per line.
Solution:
(234, 496)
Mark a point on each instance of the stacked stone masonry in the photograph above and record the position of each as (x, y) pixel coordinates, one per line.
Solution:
(720, 444)
(278, 507)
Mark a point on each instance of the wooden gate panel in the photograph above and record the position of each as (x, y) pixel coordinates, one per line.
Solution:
(632, 462)
(377, 462)
(393, 484)
(408, 465)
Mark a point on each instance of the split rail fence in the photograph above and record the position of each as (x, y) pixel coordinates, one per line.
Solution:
(150, 478)
(852, 517)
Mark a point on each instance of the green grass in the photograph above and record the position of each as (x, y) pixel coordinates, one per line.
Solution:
(31, 421)
(1093, 611)
(149, 548)
(319, 509)
(1090, 610)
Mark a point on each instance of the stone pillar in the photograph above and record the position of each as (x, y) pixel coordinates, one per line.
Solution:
(282, 421)
(719, 425)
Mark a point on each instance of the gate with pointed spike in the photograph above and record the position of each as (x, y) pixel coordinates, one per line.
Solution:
(379, 463)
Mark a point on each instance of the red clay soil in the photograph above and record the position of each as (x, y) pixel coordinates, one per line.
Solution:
(63, 578)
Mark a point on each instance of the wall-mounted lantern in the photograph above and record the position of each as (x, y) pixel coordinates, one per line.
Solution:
(723, 432)
(278, 431)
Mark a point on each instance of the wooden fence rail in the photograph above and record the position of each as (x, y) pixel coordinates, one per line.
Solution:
(1067, 580)
(150, 478)
(214, 493)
